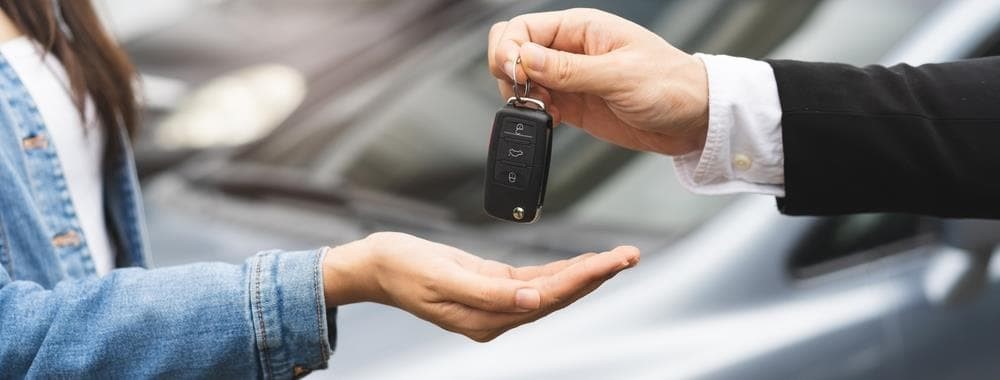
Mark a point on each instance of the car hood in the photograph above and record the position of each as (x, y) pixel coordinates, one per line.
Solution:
(663, 319)
(694, 308)
(191, 222)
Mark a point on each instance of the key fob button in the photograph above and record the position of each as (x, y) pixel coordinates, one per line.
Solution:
(516, 151)
(518, 129)
(510, 175)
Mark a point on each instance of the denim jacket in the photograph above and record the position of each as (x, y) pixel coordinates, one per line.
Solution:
(263, 319)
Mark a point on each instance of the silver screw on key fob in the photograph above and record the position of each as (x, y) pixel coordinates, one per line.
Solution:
(517, 166)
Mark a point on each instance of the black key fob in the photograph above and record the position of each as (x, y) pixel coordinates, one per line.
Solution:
(517, 167)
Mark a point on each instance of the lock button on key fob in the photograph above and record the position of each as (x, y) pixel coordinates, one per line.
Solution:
(518, 161)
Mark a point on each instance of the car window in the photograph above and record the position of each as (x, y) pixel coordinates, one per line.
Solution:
(427, 140)
(645, 196)
(843, 241)
(430, 143)
(857, 32)
(746, 28)
(990, 47)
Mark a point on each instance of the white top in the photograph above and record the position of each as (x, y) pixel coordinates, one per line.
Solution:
(80, 148)
(743, 151)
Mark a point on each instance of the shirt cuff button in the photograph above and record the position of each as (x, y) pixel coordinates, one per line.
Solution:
(741, 162)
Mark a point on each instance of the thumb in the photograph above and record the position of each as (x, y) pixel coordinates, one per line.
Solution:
(489, 293)
(566, 72)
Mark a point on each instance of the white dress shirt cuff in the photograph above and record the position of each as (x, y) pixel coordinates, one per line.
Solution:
(743, 151)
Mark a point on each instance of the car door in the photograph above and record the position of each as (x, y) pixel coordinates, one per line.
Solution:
(844, 279)
(952, 332)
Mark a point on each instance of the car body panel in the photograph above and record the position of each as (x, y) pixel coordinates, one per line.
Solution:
(721, 299)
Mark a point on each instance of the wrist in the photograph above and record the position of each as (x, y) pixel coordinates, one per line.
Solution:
(697, 120)
(347, 274)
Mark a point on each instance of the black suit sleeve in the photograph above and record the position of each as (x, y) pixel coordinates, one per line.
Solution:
(899, 139)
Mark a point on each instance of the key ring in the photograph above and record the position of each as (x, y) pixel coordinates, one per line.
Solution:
(527, 83)
(523, 99)
(538, 103)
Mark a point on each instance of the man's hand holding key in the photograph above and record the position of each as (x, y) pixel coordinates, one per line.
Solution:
(606, 75)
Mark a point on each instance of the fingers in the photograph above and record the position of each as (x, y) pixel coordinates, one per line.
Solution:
(466, 294)
(532, 272)
(575, 279)
(491, 288)
(564, 284)
(510, 321)
(568, 72)
(563, 30)
(488, 293)
(496, 32)
(561, 50)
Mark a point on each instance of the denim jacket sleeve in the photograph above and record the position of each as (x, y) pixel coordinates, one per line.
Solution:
(263, 319)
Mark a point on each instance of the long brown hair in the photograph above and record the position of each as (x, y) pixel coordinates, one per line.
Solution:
(94, 63)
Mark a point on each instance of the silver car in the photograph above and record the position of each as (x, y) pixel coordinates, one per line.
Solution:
(728, 287)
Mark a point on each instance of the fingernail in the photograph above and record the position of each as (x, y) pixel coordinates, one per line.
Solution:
(508, 67)
(535, 55)
(528, 299)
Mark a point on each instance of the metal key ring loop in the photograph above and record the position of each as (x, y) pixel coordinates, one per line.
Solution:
(527, 83)
(536, 102)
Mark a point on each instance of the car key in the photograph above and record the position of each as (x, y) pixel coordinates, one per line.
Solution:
(517, 166)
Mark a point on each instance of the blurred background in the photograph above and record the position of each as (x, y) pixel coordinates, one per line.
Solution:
(300, 123)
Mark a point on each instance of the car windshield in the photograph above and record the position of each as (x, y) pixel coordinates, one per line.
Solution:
(427, 139)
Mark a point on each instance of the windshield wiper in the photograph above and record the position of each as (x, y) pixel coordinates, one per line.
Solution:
(365, 206)
(259, 180)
